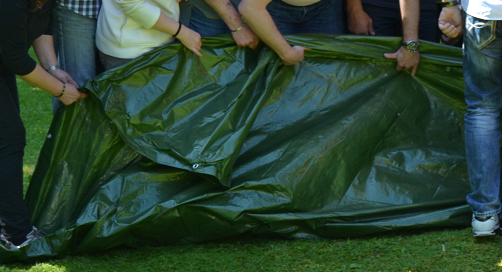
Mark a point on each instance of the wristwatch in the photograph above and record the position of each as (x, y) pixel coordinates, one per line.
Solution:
(411, 46)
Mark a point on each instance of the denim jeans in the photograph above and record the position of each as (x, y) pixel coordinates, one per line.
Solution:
(388, 22)
(204, 26)
(74, 41)
(13, 212)
(483, 94)
(325, 16)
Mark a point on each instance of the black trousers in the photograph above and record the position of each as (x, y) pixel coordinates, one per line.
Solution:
(388, 22)
(13, 210)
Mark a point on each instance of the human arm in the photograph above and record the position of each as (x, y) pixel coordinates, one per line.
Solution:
(14, 44)
(150, 16)
(410, 14)
(256, 14)
(450, 21)
(358, 21)
(44, 48)
(244, 37)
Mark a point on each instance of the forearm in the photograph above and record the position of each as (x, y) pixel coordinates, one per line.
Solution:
(260, 21)
(410, 15)
(354, 6)
(43, 80)
(44, 49)
(166, 25)
(227, 12)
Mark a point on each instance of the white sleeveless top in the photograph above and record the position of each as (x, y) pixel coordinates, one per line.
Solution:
(483, 9)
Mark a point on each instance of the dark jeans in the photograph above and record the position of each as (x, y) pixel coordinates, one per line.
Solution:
(206, 27)
(13, 211)
(325, 16)
(388, 22)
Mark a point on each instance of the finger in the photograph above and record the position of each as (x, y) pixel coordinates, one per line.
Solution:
(414, 71)
(253, 44)
(73, 82)
(370, 29)
(390, 55)
(83, 95)
(196, 51)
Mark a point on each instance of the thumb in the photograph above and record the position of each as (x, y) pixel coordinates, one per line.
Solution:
(370, 29)
(390, 55)
(83, 95)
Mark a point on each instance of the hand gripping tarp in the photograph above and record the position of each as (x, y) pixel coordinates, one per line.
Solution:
(172, 148)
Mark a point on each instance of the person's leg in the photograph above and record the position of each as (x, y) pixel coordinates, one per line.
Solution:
(13, 212)
(206, 27)
(483, 95)
(386, 21)
(285, 16)
(325, 16)
(74, 41)
(110, 62)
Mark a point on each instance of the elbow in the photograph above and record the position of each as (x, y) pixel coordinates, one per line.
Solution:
(244, 8)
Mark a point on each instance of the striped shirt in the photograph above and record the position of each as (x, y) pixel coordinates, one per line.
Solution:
(87, 8)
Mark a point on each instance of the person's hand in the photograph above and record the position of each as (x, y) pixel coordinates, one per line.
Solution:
(246, 37)
(71, 95)
(450, 21)
(64, 76)
(405, 59)
(449, 41)
(294, 55)
(360, 23)
(190, 39)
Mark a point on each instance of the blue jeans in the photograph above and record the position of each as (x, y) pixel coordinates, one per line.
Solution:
(74, 37)
(325, 16)
(483, 95)
(206, 27)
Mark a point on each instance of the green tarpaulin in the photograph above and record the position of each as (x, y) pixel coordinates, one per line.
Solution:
(172, 148)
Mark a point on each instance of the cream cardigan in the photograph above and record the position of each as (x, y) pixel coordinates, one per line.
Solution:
(124, 26)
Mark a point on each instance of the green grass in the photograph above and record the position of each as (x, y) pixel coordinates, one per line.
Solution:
(412, 250)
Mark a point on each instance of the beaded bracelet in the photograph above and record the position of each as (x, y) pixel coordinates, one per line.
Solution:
(62, 92)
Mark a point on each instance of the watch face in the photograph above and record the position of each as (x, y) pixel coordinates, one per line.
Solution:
(412, 46)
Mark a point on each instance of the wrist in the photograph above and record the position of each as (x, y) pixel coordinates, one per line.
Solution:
(62, 91)
(449, 3)
(179, 30)
(52, 68)
(410, 45)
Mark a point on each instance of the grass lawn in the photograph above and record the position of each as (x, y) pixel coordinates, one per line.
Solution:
(412, 250)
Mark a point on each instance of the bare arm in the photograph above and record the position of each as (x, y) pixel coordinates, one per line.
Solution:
(245, 36)
(256, 14)
(358, 21)
(410, 15)
(188, 37)
(44, 48)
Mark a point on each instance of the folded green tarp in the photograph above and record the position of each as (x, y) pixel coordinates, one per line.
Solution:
(172, 148)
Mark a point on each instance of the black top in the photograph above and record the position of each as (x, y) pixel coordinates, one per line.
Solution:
(424, 4)
(19, 27)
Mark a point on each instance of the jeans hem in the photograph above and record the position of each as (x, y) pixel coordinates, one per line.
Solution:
(490, 213)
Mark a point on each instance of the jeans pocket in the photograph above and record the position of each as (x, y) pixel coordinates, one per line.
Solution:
(480, 32)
